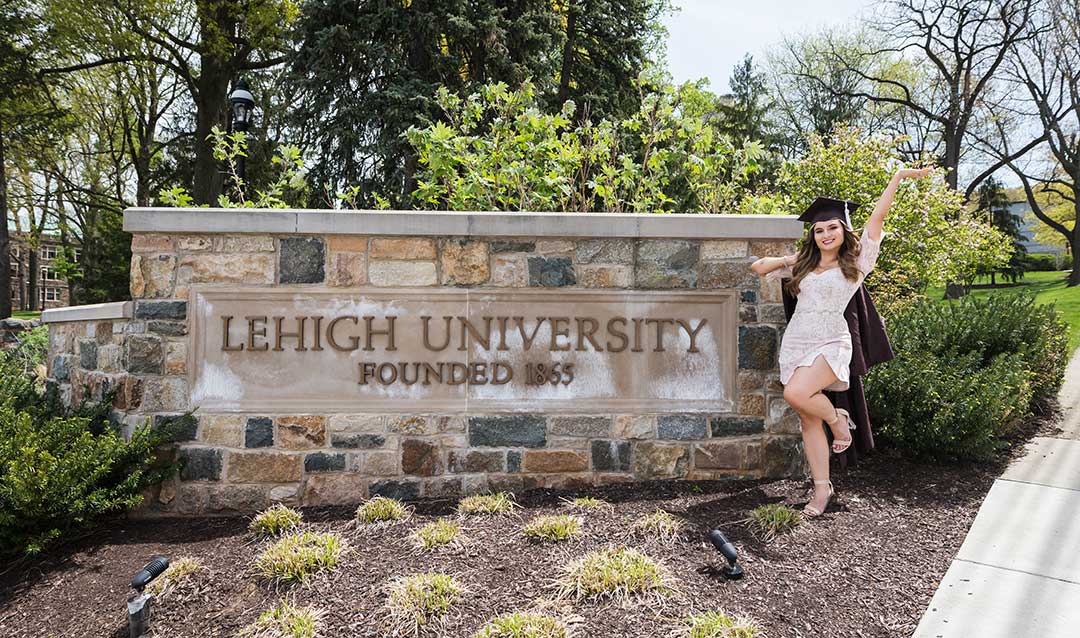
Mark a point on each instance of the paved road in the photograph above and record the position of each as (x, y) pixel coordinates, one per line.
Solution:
(1017, 575)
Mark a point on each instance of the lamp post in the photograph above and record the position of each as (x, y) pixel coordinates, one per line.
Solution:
(241, 108)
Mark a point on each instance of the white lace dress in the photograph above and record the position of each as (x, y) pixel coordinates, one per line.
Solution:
(818, 327)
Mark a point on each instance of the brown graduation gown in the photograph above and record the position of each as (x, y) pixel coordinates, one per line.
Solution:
(869, 346)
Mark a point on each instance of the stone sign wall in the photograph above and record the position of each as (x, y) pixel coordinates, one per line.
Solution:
(330, 356)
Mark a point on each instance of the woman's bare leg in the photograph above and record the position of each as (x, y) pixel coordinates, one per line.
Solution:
(803, 392)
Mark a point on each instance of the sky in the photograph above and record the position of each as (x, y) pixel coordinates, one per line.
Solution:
(707, 38)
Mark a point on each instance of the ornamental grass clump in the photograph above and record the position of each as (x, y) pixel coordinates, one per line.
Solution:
(275, 520)
(553, 528)
(382, 510)
(417, 604)
(614, 573)
(437, 534)
(497, 503)
(285, 620)
(523, 624)
(586, 503)
(769, 521)
(660, 525)
(179, 577)
(718, 624)
(296, 557)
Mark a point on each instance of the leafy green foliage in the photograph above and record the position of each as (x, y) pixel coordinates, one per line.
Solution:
(994, 204)
(498, 150)
(965, 371)
(57, 475)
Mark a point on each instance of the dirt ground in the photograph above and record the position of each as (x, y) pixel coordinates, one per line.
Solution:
(867, 568)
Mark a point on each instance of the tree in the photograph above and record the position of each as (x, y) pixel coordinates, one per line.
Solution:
(27, 112)
(205, 44)
(365, 74)
(1047, 70)
(995, 205)
(930, 238)
(959, 47)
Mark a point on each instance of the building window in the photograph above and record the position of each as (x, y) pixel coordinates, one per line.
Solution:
(49, 252)
(49, 273)
(51, 294)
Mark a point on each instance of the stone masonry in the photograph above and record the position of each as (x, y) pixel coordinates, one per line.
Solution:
(243, 462)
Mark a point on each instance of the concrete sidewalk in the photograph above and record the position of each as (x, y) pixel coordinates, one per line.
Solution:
(1017, 575)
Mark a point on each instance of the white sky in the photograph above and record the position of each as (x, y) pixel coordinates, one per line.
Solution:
(707, 38)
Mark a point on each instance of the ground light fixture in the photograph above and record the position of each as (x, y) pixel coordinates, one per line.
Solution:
(728, 551)
(138, 605)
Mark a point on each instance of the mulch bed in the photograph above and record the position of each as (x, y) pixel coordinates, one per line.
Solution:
(867, 568)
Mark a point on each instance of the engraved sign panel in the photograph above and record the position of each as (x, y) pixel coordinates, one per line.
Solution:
(409, 350)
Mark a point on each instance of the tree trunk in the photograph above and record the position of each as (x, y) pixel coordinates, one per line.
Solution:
(1074, 276)
(568, 54)
(5, 239)
(33, 292)
(951, 161)
(211, 102)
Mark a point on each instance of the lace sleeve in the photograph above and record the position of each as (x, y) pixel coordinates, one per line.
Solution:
(868, 253)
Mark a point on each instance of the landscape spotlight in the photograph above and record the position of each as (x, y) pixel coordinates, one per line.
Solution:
(728, 551)
(138, 604)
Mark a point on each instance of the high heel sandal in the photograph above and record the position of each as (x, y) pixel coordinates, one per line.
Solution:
(844, 443)
(812, 512)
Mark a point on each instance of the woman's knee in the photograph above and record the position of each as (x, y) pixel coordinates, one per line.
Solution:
(795, 396)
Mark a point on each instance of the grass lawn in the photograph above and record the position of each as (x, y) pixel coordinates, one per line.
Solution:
(1048, 287)
(26, 314)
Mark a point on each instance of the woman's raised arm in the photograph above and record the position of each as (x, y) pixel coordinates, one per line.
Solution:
(877, 218)
(766, 265)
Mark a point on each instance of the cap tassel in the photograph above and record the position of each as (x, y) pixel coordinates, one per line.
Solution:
(847, 217)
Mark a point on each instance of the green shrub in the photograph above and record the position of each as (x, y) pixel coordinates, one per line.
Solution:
(660, 525)
(59, 473)
(989, 326)
(943, 409)
(1045, 262)
(438, 533)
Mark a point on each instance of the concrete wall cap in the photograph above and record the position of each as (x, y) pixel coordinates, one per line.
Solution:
(90, 312)
(447, 223)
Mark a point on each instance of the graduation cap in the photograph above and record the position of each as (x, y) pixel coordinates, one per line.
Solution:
(826, 208)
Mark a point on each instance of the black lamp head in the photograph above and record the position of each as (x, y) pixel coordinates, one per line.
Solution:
(153, 569)
(242, 103)
(728, 551)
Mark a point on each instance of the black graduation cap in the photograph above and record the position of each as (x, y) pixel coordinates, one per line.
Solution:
(825, 208)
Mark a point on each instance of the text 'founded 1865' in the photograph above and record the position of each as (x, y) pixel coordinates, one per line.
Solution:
(458, 350)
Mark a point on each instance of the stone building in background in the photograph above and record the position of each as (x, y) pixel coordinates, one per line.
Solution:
(51, 291)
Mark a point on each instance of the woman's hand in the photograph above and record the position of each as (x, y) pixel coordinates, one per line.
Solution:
(913, 173)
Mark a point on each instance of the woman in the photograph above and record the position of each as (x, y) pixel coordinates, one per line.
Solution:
(816, 350)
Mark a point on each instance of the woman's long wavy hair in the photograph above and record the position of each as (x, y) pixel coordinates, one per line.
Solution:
(809, 258)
